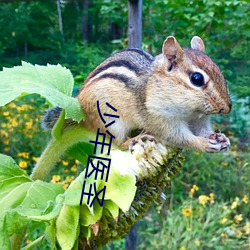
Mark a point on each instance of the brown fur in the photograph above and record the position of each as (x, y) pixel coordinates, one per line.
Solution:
(156, 95)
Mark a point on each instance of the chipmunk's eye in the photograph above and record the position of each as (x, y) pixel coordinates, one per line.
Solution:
(197, 79)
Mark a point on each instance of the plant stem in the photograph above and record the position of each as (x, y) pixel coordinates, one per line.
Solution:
(16, 240)
(57, 146)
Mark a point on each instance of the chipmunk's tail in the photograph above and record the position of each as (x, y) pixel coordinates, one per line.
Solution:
(50, 117)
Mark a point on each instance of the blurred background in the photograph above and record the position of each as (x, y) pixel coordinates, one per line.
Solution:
(207, 206)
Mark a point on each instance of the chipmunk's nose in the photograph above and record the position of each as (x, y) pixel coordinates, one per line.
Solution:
(227, 108)
(230, 106)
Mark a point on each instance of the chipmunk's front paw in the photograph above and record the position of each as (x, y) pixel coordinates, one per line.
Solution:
(218, 142)
(141, 139)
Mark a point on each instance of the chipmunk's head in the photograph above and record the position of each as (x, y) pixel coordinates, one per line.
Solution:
(198, 77)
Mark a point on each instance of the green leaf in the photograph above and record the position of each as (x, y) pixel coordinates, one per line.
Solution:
(4, 240)
(40, 193)
(53, 82)
(50, 234)
(44, 217)
(14, 198)
(34, 243)
(73, 193)
(81, 151)
(28, 201)
(11, 222)
(87, 218)
(112, 207)
(36, 200)
(86, 232)
(14, 223)
(20, 198)
(120, 189)
(6, 186)
(9, 168)
(67, 226)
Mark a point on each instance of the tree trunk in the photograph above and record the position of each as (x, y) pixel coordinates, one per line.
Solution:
(59, 16)
(85, 20)
(135, 23)
(131, 238)
(134, 41)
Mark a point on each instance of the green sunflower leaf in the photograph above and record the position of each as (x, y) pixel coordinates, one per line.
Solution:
(53, 82)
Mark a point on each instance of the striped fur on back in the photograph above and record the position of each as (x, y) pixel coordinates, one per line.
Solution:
(119, 64)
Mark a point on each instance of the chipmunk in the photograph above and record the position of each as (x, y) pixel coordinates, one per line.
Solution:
(170, 97)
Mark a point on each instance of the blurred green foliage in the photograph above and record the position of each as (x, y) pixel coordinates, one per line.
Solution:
(30, 31)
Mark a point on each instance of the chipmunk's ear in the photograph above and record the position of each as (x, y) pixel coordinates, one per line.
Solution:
(197, 43)
(171, 49)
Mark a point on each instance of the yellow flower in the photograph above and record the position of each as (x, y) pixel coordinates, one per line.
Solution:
(6, 141)
(70, 178)
(238, 218)
(6, 149)
(223, 235)
(234, 152)
(65, 185)
(187, 211)
(197, 152)
(245, 199)
(35, 159)
(23, 164)
(4, 134)
(193, 190)
(12, 105)
(197, 242)
(247, 227)
(24, 154)
(73, 168)
(14, 123)
(19, 108)
(183, 248)
(211, 195)
(24, 107)
(235, 203)
(29, 124)
(55, 178)
(6, 113)
(223, 220)
(29, 135)
(77, 162)
(224, 164)
(203, 199)
(238, 233)
(65, 163)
